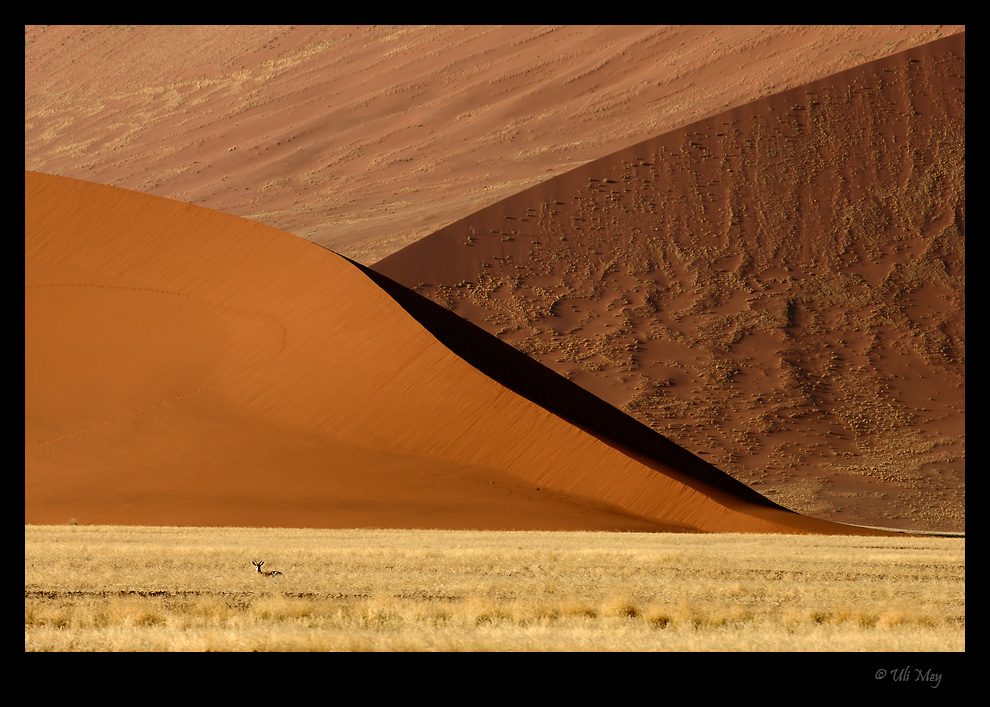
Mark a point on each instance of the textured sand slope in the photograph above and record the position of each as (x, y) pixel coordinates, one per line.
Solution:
(779, 287)
(185, 366)
(364, 139)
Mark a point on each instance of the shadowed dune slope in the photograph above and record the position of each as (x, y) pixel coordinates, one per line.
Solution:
(541, 385)
(185, 366)
(364, 139)
(779, 287)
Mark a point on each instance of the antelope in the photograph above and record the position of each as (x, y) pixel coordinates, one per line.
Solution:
(266, 573)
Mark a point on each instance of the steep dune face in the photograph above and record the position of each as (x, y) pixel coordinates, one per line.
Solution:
(779, 288)
(185, 366)
(364, 139)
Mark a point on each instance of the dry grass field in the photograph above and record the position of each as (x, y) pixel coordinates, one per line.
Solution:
(102, 588)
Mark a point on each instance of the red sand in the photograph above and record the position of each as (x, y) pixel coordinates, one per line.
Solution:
(779, 287)
(365, 139)
(185, 366)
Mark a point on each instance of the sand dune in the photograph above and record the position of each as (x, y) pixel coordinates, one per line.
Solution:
(185, 366)
(818, 360)
(365, 139)
(779, 287)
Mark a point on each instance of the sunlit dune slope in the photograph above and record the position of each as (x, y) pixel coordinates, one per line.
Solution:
(185, 366)
(779, 288)
(366, 138)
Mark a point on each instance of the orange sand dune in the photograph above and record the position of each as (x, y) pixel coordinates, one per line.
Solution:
(364, 139)
(185, 366)
(780, 287)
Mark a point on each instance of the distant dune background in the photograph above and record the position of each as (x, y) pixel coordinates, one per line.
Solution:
(749, 239)
(366, 139)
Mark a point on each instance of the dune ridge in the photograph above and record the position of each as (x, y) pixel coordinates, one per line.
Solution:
(538, 384)
(779, 287)
(286, 388)
(862, 422)
(365, 139)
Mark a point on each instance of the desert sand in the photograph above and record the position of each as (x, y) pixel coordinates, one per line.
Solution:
(366, 139)
(780, 287)
(187, 366)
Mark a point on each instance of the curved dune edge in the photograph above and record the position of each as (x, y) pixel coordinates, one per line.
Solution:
(366, 138)
(286, 389)
(663, 280)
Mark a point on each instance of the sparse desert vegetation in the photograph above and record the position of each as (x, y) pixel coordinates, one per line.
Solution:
(105, 588)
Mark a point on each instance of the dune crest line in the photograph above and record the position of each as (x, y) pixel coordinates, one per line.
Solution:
(278, 446)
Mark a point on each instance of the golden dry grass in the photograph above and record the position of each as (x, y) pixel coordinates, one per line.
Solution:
(102, 588)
